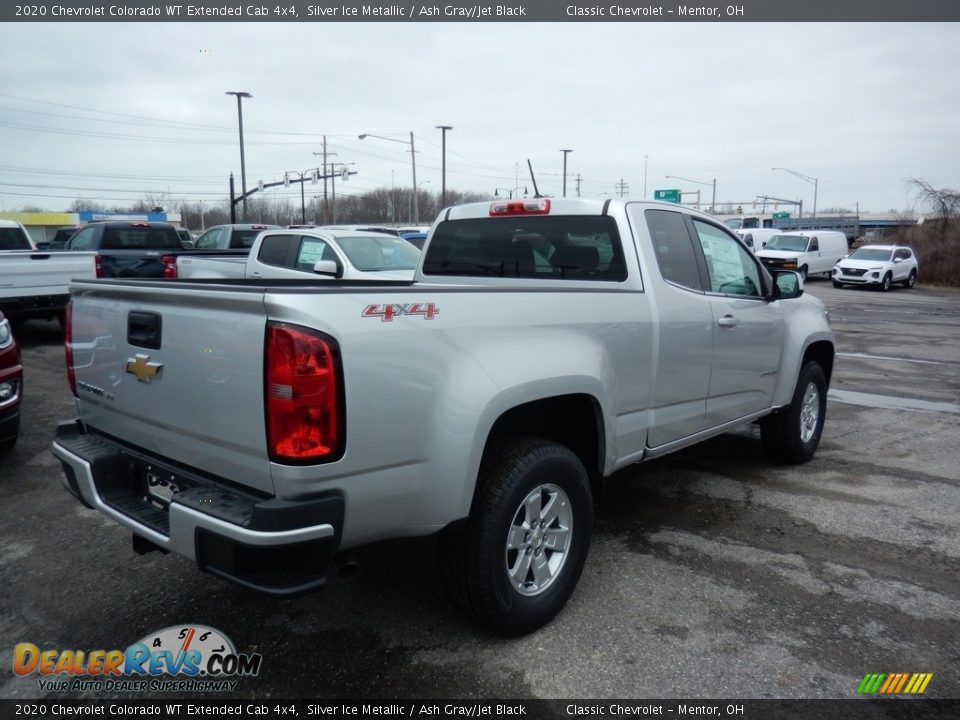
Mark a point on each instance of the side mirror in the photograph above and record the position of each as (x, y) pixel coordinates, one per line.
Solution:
(43, 245)
(788, 285)
(326, 267)
(897, 261)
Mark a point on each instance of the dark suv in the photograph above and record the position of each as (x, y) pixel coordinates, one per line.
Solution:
(11, 386)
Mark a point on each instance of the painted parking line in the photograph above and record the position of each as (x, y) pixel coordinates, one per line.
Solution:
(890, 402)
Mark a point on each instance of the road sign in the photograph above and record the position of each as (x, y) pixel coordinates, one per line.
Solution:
(667, 195)
(781, 215)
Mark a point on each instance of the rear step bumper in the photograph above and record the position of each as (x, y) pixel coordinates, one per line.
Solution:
(263, 543)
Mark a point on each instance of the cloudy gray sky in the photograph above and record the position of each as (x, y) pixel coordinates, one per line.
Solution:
(114, 111)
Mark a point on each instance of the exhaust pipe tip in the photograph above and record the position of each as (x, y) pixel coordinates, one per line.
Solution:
(348, 565)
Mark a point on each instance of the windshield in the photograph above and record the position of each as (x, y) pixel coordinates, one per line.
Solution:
(871, 254)
(373, 254)
(790, 243)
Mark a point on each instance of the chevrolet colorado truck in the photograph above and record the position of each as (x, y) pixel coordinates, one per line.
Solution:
(266, 428)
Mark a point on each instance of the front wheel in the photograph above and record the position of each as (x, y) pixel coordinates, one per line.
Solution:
(802, 272)
(837, 284)
(886, 282)
(793, 434)
(518, 560)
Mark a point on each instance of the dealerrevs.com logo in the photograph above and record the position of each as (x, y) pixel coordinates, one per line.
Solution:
(178, 658)
(894, 683)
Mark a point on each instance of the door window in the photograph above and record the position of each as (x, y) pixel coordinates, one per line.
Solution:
(83, 239)
(674, 249)
(729, 266)
(209, 240)
(275, 249)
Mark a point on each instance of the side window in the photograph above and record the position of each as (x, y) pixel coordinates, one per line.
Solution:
(208, 241)
(82, 240)
(902, 254)
(814, 245)
(275, 249)
(731, 269)
(311, 250)
(673, 247)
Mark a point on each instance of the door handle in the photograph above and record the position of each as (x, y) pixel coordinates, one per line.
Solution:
(728, 321)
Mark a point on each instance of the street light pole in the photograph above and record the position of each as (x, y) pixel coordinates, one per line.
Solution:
(443, 172)
(565, 153)
(413, 165)
(243, 167)
(809, 179)
(713, 200)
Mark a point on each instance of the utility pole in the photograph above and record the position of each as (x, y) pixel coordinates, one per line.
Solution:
(579, 179)
(324, 155)
(565, 153)
(622, 188)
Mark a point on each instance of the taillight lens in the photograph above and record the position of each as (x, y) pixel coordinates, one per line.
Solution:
(98, 261)
(68, 347)
(304, 403)
(169, 266)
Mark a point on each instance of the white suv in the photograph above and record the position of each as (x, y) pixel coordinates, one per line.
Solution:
(880, 265)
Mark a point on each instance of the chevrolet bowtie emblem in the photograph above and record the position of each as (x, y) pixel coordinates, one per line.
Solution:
(144, 370)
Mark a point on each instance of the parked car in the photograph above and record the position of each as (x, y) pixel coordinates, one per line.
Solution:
(130, 249)
(879, 265)
(264, 429)
(805, 252)
(363, 228)
(14, 236)
(316, 253)
(416, 239)
(63, 235)
(186, 239)
(11, 386)
(756, 238)
(237, 236)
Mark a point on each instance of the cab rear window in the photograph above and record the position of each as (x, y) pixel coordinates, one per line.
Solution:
(570, 247)
(13, 238)
(162, 238)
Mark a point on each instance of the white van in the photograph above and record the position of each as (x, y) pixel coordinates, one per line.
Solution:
(805, 251)
(756, 238)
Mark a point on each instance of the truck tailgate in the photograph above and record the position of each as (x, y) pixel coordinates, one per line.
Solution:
(176, 373)
(43, 273)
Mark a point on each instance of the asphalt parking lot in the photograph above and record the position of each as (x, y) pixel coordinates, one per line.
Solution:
(713, 573)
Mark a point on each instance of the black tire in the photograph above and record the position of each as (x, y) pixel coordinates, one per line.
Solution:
(802, 272)
(911, 280)
(483, 564)
(886, 282)
(793, 434)
(7, 445)
(837, 284)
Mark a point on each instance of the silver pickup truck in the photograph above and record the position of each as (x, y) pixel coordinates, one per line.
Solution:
(263, 429)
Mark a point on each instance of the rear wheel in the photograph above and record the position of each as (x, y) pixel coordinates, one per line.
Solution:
(518, 560)
(911, 279)
(793, 434)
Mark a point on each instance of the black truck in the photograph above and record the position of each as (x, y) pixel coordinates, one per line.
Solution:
(131, 249)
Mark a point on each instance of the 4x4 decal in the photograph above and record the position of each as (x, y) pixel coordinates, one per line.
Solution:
(388, 312)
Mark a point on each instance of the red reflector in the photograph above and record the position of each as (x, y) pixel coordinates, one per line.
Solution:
(138, 223)
(302, 395)
(68, 347)
(536, 206)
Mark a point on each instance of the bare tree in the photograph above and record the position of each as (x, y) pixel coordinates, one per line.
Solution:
(944, 204)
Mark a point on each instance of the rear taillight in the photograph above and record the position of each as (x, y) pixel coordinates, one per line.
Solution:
(169, 266)
(536, 206)
(98, 262)
(304, 395)
(68, 347)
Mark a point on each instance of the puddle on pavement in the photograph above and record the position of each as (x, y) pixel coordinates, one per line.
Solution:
(889, 402)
